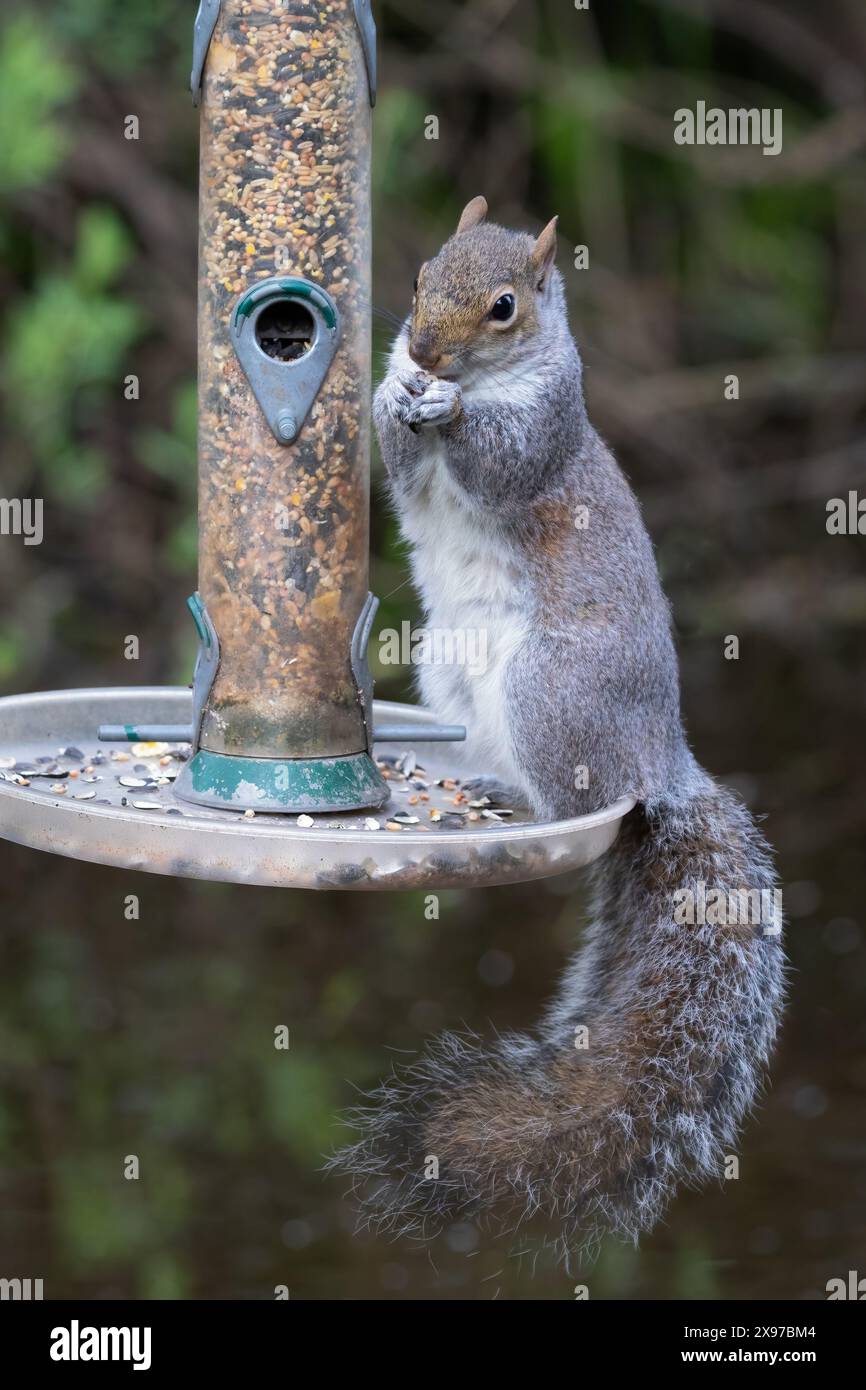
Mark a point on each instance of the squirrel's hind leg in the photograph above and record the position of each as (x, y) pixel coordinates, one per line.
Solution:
(577, 749)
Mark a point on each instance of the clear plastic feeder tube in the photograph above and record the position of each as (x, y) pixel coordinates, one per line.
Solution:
(283, 527)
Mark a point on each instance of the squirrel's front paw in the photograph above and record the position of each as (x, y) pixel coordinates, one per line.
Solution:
(440, 402)
(397, 394)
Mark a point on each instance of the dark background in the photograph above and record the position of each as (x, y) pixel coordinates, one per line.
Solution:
(155, 1037)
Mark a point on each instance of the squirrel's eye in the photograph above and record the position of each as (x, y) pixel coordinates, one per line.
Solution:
(503, 309)
(415, 285)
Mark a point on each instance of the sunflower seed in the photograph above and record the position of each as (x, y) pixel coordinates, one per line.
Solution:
(148, 805)
(403, 818)
(305, 822)
(480, 803)
(132, 781)
(371, 824)
(71, 752)
(408, 763)
(84, 796)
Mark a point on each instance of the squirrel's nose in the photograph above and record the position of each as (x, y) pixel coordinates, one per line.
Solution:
(422, 351)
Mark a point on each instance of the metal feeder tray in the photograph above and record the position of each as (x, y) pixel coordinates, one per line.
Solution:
(197, 842)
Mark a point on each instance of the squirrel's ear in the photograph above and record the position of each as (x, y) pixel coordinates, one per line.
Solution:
(544, 251)
(472, 214)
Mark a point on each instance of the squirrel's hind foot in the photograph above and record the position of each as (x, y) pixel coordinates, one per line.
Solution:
(498, 793)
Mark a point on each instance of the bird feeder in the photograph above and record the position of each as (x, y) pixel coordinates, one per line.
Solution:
(265, 770)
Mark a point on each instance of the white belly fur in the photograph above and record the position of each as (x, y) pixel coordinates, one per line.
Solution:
(463, 575)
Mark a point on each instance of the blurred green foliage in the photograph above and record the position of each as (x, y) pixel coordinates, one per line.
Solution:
(35, 82)
(64, 347)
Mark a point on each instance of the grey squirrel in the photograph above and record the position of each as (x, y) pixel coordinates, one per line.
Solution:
(521, 524)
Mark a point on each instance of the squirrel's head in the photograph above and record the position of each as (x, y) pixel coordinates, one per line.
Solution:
(480, 301)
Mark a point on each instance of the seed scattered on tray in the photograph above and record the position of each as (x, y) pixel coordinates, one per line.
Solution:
(132, 781)
(84, 796)
(371, 824)
(148, 805)
(403, 819)
(17, 778)
(305, 822)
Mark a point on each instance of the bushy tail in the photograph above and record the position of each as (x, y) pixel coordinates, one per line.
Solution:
(641, 1070)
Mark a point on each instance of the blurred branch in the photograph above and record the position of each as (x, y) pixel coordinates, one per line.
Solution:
(816, 478)
(784, 36)
(762, 380)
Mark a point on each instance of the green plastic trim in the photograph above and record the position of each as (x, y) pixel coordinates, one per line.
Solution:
(291, 288)
(347, 783)
(194, 604)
